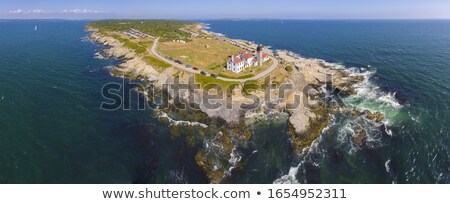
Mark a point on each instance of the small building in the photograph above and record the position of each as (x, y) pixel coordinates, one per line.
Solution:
(180, 41)
(133, 33)
(240, 61)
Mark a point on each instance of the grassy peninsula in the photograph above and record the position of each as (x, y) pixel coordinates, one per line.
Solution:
(159, 51)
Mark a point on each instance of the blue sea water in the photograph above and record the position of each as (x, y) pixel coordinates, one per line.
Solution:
(409, 65)
(53, 131)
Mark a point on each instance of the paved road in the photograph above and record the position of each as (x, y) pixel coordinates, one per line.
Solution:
(183, 67)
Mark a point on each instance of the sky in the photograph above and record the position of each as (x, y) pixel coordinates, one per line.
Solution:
(214, 9)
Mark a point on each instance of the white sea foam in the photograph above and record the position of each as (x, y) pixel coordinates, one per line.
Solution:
(415, 119)
(235, 158)
(389, 99)
(330, 124)
(369, 97)
(386, 165)
(290, 178)
(180, 122)
(206, 26)
(345, 131)
(97, 55)
(86, 39)
(111, 67)
(314, 147)
(386, 129)
(178, 176)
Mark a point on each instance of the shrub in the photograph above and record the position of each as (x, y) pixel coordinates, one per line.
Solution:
(288, 68)
(250, 86)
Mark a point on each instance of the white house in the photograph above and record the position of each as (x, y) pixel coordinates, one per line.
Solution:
(240, 61)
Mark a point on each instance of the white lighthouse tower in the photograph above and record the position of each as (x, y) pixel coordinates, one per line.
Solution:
(259, 54)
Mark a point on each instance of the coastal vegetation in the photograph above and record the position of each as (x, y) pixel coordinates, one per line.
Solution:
(200, 49)
(205, 80)
(153, 61)
(139, 48)
(303, 140)
(218, 161)
(278, 76)
(236, 77)
(250, 86)
(288, 68)
(166, 29)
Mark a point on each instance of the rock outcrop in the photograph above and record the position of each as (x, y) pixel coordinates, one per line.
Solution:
(315, 82)
(133, 66)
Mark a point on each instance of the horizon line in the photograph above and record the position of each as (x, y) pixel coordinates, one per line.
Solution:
(191, 19)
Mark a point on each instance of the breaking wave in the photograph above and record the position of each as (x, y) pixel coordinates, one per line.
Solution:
(370, 97)
(345, 127)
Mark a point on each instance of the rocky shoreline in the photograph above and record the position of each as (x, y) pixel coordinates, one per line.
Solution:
(219, 155)
(132, 65)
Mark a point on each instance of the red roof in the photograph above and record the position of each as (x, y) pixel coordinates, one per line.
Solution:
(236, 60)
(247, 56)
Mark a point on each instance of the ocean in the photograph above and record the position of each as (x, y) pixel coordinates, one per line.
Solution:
(52, 129)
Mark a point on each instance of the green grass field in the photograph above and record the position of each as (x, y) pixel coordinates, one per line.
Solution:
(141, 48)
(208, 55)
(205, 80)
(235, 77)
(153, 61)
